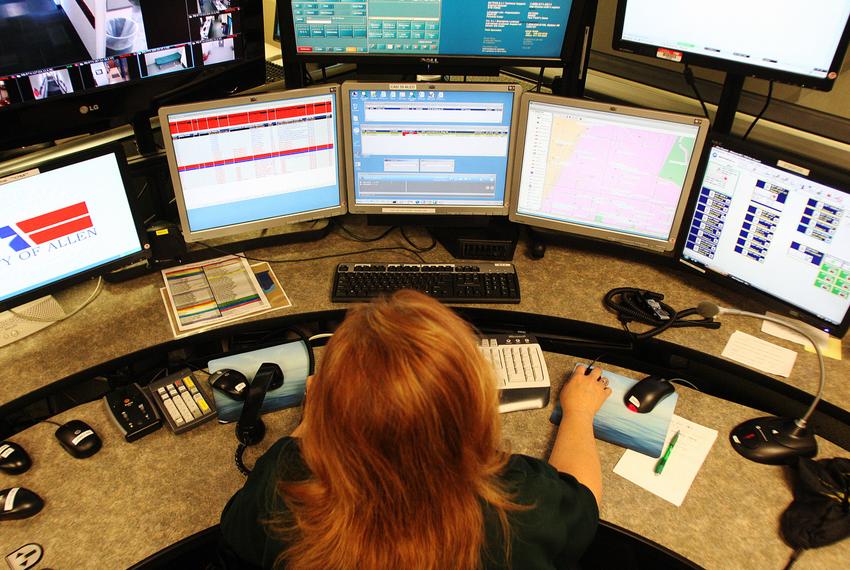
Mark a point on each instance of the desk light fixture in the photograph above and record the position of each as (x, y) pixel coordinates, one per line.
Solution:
(771, 439)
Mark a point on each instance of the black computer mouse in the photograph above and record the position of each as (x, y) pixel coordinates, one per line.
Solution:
(19, 503)
(13, 458)
(647, 393)
(231, 383)
(78, 439)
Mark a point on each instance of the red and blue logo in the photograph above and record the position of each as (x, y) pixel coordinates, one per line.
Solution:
(46, 227)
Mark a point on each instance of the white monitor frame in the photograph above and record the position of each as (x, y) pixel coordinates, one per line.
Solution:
(427, 210)
(649, 244)
(231, 104)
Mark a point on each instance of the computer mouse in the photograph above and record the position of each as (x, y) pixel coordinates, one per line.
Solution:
(78, 439)
(13, 458)
(231, 383)
(647, 393)
(19, 503)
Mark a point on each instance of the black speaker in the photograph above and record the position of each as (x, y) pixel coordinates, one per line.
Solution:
(491, 243)
(167, 243)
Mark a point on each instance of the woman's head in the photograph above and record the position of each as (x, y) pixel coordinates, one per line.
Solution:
(402, 386)
(401, 436)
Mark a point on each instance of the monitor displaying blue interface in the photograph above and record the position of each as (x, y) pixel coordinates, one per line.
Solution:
(62, 222)
(776, 227)
(252, 163)
(619, 174)
(428, 148)
(520, 29)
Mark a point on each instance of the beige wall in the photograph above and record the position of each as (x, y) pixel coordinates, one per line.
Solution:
(268, 20)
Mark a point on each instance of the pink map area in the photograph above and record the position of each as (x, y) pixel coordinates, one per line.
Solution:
(611, 176)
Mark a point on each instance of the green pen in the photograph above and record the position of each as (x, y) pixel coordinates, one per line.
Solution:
(659, 467)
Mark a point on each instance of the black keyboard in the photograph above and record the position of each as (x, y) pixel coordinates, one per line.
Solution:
(274, 72)
(483, 282)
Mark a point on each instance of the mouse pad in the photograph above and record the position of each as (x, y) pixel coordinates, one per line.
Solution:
(614, 423)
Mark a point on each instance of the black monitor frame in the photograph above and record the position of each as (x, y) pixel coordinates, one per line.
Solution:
(383, 64)
(102, 269)
(136, 101)
(734, 67)
(782, 160)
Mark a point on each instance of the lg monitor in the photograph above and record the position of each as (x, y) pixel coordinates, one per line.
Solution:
(429, 148)
(802, 43)
(77, 66)
(255, 162)
(65, 221)
(617, 174)
(774, 227)
(429, 33)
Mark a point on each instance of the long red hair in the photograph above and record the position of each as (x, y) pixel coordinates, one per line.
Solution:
(402, 439)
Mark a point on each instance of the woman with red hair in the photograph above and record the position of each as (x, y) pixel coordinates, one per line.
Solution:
(396, 463)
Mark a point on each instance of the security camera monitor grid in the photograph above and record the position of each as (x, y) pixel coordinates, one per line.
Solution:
(57, 47)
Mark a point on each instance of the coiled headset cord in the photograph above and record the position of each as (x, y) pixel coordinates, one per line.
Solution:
(647, 307)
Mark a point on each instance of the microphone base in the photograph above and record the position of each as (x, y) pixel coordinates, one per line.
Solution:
(772, 440)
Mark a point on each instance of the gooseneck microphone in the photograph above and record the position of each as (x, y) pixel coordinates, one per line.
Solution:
(771, 439)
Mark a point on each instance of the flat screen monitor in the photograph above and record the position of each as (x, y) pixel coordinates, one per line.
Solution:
(254, 162)
(63, 222)
(429, 148)
(71, 66)
(774, 226)
(802, 43)
(605, 172)
(471, 32)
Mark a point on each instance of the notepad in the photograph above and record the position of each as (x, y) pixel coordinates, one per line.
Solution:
(686, 459)
(759, 354)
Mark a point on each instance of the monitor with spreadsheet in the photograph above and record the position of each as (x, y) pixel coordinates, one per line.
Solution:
(64, 221)
(773, 225)
(605, 172)
(252, 163)
(419, 148)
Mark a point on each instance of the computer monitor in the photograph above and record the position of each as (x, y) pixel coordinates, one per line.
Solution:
(254, 162)
(429, 148)
(775, 227)
(429, 33)
(606, 172)
(63, 222)
(801, 43)
(74, 66)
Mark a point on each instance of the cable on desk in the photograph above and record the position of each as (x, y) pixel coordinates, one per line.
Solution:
(318, 257)
(689, 79)
(240, 449)
(354, 237)
(97, 289)
(646, 307)
(418, 248)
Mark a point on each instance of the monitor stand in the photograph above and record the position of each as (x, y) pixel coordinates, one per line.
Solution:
(465, 237)
(169, 249)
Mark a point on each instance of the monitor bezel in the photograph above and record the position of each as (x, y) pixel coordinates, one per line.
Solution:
(427, 210)
(434, 62)
(145, 249)
(729, 66)
(774, 158)
(581, 231)
(112, 106)
(233, 230)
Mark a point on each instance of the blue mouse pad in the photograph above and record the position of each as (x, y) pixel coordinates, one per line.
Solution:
(293, 359)
(615, 423)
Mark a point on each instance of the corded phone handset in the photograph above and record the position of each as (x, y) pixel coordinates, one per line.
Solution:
(250, 429)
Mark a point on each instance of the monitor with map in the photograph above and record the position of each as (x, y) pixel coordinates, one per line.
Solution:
(605, 172)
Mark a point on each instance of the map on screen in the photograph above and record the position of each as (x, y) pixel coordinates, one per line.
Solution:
(606, 171)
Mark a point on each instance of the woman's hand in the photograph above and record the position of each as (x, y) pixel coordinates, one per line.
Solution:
(583, 394)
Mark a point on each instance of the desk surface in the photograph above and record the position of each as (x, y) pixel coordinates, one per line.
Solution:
(172, 486)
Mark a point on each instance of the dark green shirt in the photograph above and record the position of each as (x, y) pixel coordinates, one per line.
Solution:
(553, 534)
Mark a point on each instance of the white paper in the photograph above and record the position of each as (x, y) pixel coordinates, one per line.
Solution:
(829, 346)
(759, 354)
(682, 465)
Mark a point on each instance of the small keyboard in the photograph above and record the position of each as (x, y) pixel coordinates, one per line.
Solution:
(521, 374)
(184, 405)
(482, 282)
